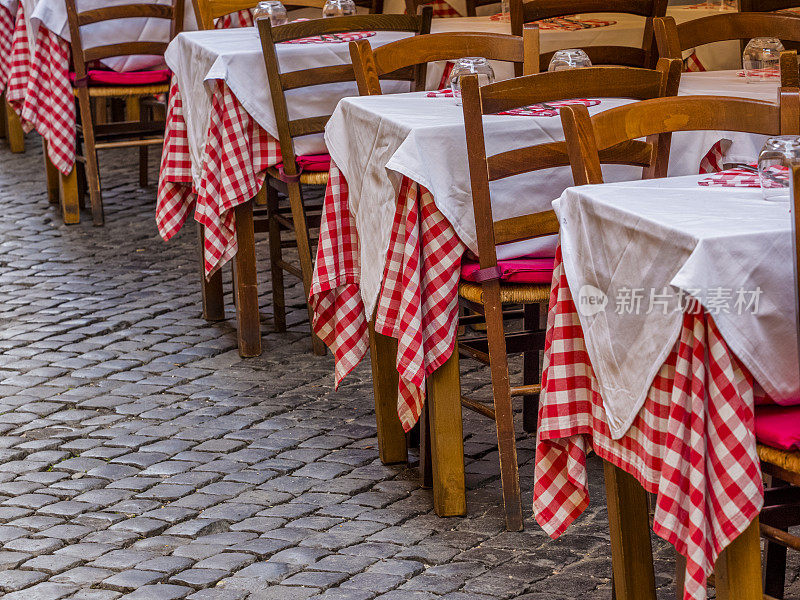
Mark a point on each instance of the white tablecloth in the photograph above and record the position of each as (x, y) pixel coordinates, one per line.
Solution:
(724, 245)
(376, 140)
(53, 15)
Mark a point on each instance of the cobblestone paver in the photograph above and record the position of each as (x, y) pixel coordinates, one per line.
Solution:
(141, 458)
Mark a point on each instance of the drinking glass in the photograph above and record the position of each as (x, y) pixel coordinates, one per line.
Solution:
(472, 65)
(272, 10)
(762, 59)
(339, 8)
(569, 59)
(777, 154)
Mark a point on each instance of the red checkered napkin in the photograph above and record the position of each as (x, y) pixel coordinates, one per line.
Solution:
(339, 38)
(563, 23)
(741, 177)
(761, 73)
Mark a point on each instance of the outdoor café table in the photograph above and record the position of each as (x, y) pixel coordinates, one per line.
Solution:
(221, 132)
(693, 318)
(39, 89)
(397, 219)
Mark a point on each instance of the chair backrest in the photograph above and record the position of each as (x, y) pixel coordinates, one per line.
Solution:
(790, 70)
(280, 83)
(673, 39)
(588, 137)
(416, 52)
(526, 11)
(593, 82)
(208, 11)
(767, 5)
(77, 20)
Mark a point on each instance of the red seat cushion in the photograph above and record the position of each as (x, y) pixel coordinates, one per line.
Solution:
(99, 77)
(311, 162)
(778, 426)
(525, 269)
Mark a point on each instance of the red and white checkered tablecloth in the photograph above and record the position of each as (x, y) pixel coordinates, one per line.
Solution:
(40, 92)
(418, 301)
(237, 152)
(692, 444)
(6, 33)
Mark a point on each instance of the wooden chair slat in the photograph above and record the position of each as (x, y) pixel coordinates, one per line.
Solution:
(594, 83)
(315, 27)
(536, 10)
(316, 76)
(124, 49)
(672, 39)
(208, 11)
(525, 227)
(625, 56)
(125, 11)
(307, 126)
(766, 5)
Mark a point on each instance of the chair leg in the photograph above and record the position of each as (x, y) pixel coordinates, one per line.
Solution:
(275, 258)
(70, 209)
(530, 371)
(14, 133)
(775, 571)
(447, 439)
(52, 175)
(3, 116)
(90, 154)
(680, 575)
(246, 286)
(738, 568)
(133, 112)
(211, 288)
(391, 437)
(304, 250)
(503, 410)
(425, 459)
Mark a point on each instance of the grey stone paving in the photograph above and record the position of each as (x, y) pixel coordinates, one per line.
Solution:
(141, 458)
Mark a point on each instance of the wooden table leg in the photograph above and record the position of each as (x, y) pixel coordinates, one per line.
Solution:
(53, 176)
(738, 568)
(391, 437)
(425, 460)
(447, 439)
(69, 197)
(14, 132)
(3, 116)
(631, 551)
(680, 575)
(246, 286)
(211, 288)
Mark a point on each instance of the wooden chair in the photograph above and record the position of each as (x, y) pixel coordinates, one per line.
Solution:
(291, 179)
(526, 11)
(767, 5)
(373, 63)
(672, 39)
(138, 130)
(488, 297)
(738, 573)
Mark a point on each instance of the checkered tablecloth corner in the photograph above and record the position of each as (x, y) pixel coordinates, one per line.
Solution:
(241, 18)
(40, 92)
(6, 34)
(418, 301)
(237, 152)
(692, 443)
(442, 9)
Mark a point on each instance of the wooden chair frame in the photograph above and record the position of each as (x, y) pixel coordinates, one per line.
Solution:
(657, 119)
(11, 127)
(371, 64)
(672, 39)
(135, 131)
(618, 82)
(526, 11)
(767, 5)
(290, 179)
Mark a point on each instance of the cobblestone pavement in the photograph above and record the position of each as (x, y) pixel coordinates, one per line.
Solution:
(140, 457)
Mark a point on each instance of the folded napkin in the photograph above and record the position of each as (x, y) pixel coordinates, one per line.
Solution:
(546, 109)
(563, 23)
(331, 38)
(740, 177)
(765, 73)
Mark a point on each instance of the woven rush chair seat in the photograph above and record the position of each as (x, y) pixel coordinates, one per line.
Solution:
(305, 178)
(510, 293)
(132, 91)
(783, 459)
